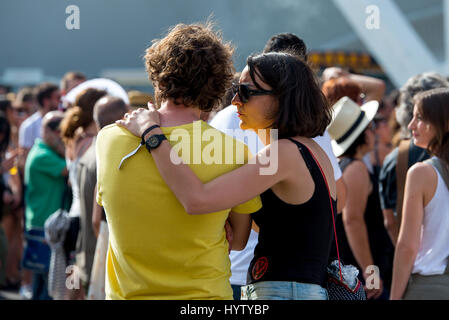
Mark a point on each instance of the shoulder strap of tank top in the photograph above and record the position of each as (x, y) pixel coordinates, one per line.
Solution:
(345, 162)
(329, 193)
(307, 156)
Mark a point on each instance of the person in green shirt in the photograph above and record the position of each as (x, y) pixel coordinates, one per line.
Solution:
(45, 181)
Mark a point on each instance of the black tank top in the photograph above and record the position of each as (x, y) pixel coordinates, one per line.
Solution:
(381, 247)
(294, 240)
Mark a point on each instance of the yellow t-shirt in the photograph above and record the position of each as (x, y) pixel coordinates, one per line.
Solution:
(157, 250)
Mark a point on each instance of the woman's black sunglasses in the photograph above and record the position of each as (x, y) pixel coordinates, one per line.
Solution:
(245, 92)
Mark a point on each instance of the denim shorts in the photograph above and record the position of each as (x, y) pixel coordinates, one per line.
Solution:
(283, 290)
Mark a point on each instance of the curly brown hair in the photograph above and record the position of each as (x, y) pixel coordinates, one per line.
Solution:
(191, 65)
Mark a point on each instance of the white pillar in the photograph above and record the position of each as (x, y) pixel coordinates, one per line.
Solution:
(395, 44)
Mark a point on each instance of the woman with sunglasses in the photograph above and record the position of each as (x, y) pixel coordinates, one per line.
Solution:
(276, 91)
(421, 261)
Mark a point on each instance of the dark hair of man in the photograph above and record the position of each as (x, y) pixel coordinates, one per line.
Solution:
(433, 106)
(191, 65)
(287, 41)
(44, 91)
(302, 108)
(352, 150)
(109, 109)
(5, 128)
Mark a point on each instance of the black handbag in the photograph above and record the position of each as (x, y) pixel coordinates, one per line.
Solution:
(339, 287)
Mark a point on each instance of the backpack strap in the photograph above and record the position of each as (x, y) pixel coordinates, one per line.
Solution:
(401, 175)
(442, 169)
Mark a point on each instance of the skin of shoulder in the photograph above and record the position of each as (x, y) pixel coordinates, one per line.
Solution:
(358, 185)
(356, 173)
(422, 179)
(296, 164)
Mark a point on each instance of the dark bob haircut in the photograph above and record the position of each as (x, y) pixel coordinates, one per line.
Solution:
(191, 65)
(303, 109)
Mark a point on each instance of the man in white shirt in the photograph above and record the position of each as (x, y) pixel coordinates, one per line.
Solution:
(227, 119)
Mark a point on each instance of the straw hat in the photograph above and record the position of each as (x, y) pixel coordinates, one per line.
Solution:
(348, 122)
(139, 99)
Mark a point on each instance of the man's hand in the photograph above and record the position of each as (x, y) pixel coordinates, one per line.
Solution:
(333, 72)
(229, 234)
(139, 120)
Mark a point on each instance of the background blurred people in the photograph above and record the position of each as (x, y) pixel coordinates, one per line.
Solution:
(394, 169)
(5, 166)
(372, 88)
(77, 131)
(45, 180)
(106, 111)
(11, 194)
(70, 80)
(362, 238)
(48, 98)
(421, 265)
(359, 89)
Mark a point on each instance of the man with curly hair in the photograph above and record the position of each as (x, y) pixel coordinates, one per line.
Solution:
(156, 249)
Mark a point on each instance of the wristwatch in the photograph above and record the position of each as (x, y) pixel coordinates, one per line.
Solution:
(154, 141)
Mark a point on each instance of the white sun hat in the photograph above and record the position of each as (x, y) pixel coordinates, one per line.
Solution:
(111, 87)
(349, 120)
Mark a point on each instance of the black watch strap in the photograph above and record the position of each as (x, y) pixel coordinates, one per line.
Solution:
(146, 131)
(154, 141)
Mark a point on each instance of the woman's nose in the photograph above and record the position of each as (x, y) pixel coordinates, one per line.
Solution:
(236, 100)
(411, 124)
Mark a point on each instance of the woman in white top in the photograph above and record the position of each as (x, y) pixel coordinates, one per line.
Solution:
(421, 268)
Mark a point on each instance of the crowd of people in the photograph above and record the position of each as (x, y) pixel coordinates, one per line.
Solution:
(225, 184)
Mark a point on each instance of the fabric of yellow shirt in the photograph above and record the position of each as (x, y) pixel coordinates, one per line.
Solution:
(157, 250)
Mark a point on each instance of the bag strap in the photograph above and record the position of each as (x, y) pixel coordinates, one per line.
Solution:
(332, 210)
(441, 168)
(401, 175)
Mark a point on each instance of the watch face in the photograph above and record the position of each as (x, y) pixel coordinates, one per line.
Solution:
(153, 141)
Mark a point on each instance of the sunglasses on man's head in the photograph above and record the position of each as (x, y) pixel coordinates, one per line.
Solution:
(54, 124)
(245, 92)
